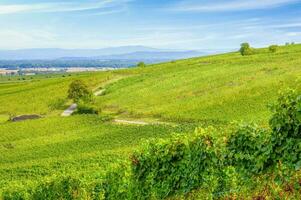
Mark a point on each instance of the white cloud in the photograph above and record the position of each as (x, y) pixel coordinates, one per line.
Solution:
(228, 5)
(287, 25)
(61, 6)
(14, 38)
(293, 34)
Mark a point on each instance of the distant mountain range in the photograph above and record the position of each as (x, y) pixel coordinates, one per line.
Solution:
(117, 57)
(120, 53)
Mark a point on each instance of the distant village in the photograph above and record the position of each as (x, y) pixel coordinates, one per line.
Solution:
(42, 70)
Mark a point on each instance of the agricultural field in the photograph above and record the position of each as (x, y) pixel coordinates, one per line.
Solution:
(43, 94)
(220, 88)
(174, 97)
(78, 144)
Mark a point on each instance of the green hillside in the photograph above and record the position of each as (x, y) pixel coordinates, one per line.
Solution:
(223, 87)
(40, 94)
(79, 144)
(181, 95)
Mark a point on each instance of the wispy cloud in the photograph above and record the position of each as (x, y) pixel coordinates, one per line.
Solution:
(62, 6)
(288, 25)
(293, 34)
(228, 5)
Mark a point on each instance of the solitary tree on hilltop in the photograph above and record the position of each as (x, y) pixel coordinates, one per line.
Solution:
(79, 92)
(141, 64)
(245, 49)
(273, 48)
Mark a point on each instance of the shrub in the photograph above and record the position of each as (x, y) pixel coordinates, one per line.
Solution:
(70, 188)
(78, 91)
(141, 64)
(86, 109)
(286, 129)
(273, 48)
(249, 149)
(245, 49)
(175, 165)
(15, 192)
(64, 188)
(118, 182)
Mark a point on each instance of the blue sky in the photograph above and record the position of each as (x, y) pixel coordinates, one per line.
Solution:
(169, 24)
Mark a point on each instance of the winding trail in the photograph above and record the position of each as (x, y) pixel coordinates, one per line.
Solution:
(122, 121)
(71, 109)
(68, 112)
(99, 92)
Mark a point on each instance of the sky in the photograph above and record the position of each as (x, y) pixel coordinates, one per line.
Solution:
(166, 24)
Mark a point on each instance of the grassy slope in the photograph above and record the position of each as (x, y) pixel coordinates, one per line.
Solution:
(223, 87)
(34, 96)
(55, 145)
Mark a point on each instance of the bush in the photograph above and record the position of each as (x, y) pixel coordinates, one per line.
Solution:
(79, 92)
(246, 49)
(87, 109)
(64, 188)
(286, 129)
(70, 188)
(273, 48)
(249, 149)
(141, 64)
(175, 165)
(118, 182)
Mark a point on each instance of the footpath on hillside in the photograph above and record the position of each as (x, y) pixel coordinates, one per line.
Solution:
(68, 112)
(71, 109)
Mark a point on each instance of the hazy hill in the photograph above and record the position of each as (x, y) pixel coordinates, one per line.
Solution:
(124, 52)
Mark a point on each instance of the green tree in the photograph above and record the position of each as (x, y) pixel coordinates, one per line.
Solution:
(245, 49)
(79, 92)
(141, 64)
(273, 48)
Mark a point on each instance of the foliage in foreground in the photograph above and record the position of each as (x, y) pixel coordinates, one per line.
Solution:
(220, 166)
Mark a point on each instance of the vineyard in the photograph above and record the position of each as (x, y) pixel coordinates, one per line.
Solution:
(225, 132)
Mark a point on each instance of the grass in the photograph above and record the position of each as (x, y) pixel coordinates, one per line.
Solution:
(4, 118)
(218, 88)
(208, 90)
(38, 96)
(222, 88)
(34, 149)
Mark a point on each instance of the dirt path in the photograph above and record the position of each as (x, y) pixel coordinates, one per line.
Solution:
(142, 122)
(68, 112)
(99, 92)
(122, 121)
